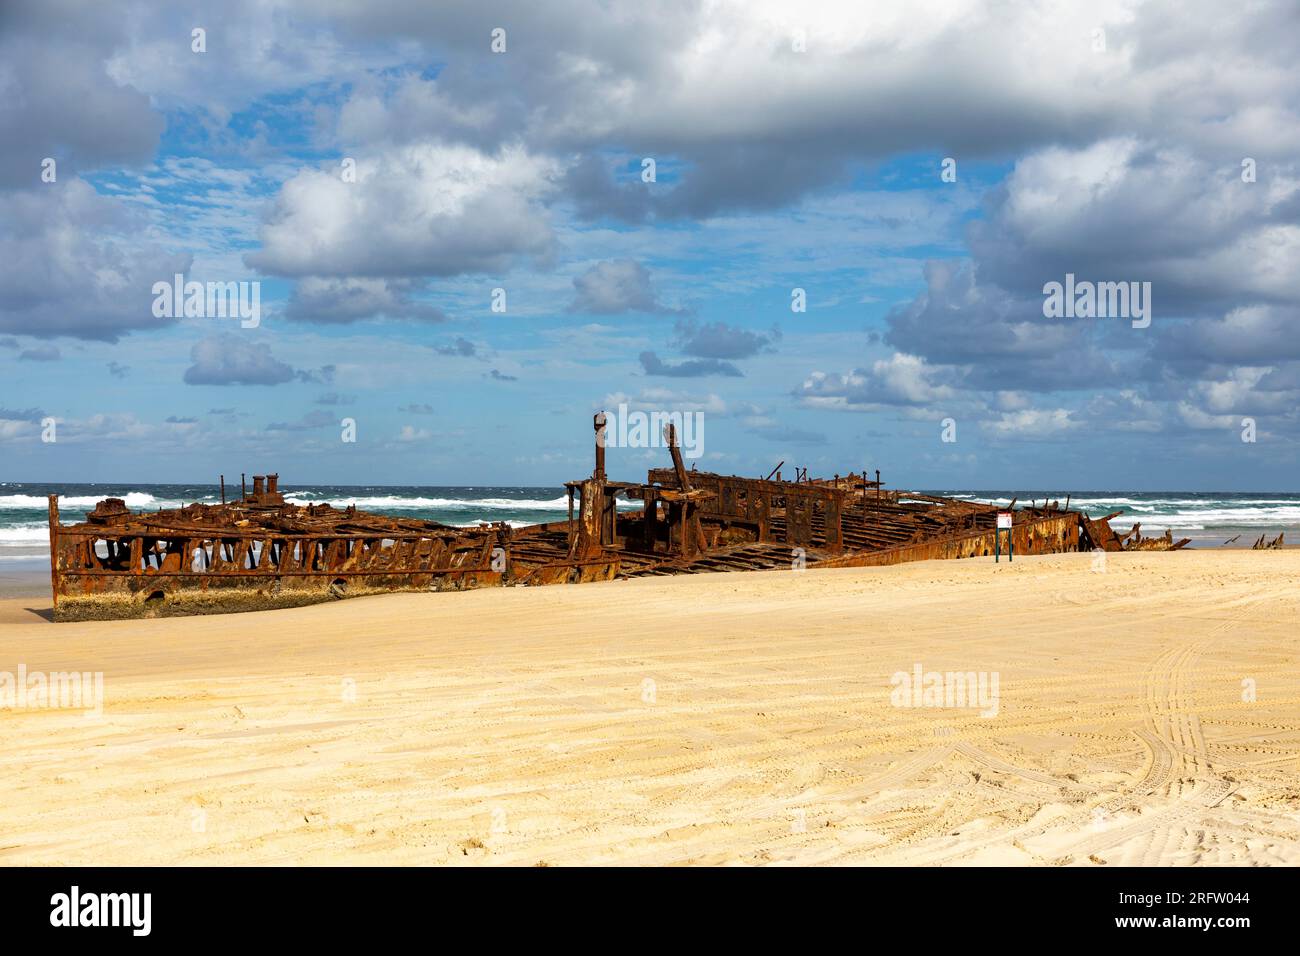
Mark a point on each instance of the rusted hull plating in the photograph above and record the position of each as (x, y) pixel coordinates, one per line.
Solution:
(259, 552)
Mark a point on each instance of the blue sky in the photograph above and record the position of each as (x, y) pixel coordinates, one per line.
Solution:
(794, 148)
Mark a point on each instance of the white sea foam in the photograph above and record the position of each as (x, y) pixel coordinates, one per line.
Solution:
(447, 504)
(133, 499)
(141, 500)
(24, 534)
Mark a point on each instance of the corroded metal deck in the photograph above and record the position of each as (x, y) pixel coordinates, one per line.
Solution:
(260, 552)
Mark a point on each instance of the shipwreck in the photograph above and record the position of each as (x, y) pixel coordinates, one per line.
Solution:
(261, 552)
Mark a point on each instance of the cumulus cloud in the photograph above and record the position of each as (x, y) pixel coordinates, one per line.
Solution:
(409, 433)
(763, 101)
(617, 286)
(1127, 165)
(40, 353)
(656, 398)
(1216, 250)
(59, 99)
(997, 340)
(333, 398)
(1125, 209)
(718, 340)
(1253, 334)
(418, 210)
(336, 301)
(461, 347)
(1032, 423)
(900, 380)
(229, 359)
(691, 368)
(75, 263)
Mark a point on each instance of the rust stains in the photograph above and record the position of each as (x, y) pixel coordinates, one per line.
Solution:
(260, 552)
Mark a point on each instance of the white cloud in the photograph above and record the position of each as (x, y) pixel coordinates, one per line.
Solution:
(73, 262)
(415, 210)
(1032, 423)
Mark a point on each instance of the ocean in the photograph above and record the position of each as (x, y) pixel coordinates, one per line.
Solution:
(1210, 519)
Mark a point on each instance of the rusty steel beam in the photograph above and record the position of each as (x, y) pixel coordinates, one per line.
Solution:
(260, 552)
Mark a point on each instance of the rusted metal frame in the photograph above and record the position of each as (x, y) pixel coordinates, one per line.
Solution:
(943, 547)
(570, 526)
(209, 533)
(236, 555)
(384, 572)
(650, 518)
(758, 497)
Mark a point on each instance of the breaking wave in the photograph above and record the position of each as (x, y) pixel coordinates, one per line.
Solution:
(446, 504)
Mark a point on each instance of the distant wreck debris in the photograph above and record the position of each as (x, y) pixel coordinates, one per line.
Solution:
(260, 552)
(1107, 539)
(1265, 545)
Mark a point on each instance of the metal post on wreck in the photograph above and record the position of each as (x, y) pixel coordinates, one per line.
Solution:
(598, 422)
(55, 562)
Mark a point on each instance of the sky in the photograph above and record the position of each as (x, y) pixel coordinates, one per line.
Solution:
(825, 228)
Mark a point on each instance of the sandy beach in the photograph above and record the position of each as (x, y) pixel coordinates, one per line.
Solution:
(1147, 711)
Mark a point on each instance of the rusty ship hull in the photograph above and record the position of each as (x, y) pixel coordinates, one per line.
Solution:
(259, 552)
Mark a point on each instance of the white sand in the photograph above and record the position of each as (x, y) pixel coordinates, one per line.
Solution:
(731, 718)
